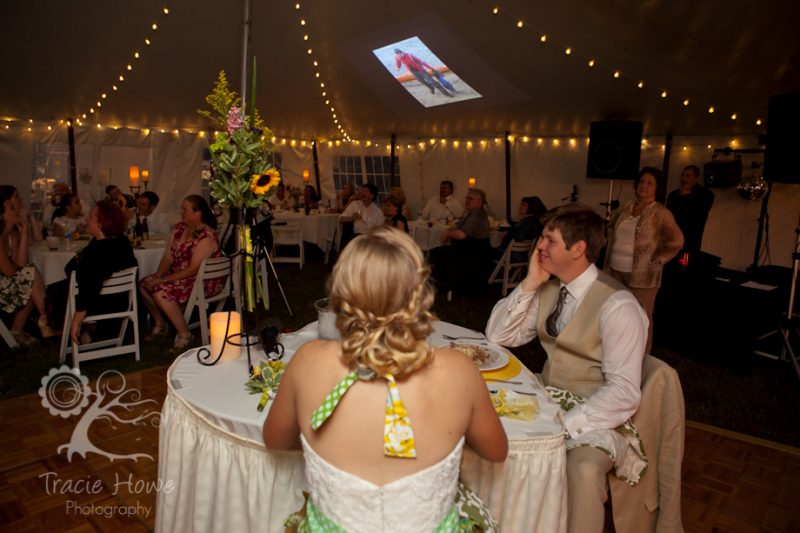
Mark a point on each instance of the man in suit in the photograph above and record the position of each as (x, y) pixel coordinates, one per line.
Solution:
(594, 333)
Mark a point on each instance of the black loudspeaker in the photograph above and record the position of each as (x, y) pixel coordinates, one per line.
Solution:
(719, 173)
(781, 162)
(614, 150)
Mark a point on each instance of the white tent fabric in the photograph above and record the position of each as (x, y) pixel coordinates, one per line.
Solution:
(537, 169)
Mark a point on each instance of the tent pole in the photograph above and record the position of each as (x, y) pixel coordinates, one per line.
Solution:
(661, 193)
(316, 168)
(508, 176)
(245, 50)
(73, 176)
(392, 160)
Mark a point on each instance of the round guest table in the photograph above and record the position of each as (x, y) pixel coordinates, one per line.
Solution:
(219, 476)
(51, 263)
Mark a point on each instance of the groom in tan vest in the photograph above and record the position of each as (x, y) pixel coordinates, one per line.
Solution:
(594, 333)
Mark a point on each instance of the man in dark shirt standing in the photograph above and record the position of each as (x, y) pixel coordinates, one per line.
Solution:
(690, 204)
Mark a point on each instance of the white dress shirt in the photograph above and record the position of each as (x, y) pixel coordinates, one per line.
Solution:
(370, 216)
(435, 210)
(623, 330)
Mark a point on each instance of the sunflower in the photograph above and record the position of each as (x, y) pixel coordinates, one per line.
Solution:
(261, 183)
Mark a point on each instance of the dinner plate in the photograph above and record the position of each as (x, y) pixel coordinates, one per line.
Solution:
(497, 357)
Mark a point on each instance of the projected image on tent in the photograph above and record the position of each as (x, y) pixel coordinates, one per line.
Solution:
(423, 74)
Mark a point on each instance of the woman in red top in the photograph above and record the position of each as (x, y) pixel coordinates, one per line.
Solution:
(193, 240)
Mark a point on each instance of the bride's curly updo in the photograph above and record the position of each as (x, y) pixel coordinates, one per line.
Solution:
(381, 293)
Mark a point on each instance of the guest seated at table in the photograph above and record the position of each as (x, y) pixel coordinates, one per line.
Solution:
(345, 196)
(464, 266)
(109, 251)
(362, 212)
(21, 286)
(400, 194)
(643, 237)
(594, 333)
(443, 207)
(146, 203)
(371, 467)
(528, 228)
(392, 208)
(193, 239)
(310, 197)
(280, 200)
(72, 220)
(34, 227)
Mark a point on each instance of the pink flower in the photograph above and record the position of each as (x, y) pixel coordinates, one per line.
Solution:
(235, 120)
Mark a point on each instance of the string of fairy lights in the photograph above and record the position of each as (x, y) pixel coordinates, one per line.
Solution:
(326, 94)
(543, 38)
(84, 119)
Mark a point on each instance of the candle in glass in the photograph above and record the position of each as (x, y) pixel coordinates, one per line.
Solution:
(133, 173)
(145, 175)
(471, 182)
(305, 176)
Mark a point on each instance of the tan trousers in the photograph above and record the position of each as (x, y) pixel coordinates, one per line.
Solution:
(646, 297)
(587, 469)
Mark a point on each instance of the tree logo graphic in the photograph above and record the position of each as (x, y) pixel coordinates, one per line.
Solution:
(65, 393)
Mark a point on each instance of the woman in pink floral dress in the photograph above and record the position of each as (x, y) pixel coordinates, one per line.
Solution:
(193, 240)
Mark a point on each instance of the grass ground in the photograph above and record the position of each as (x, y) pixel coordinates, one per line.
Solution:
(761, 398)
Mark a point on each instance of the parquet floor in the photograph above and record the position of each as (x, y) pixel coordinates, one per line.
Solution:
(731, 483)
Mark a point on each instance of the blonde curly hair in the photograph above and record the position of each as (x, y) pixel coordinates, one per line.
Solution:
(381, 293)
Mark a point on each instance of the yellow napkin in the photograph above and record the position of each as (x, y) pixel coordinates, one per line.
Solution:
(514, 405)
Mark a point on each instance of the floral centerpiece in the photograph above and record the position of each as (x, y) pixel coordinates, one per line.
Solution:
(265, 380)
(240, 158)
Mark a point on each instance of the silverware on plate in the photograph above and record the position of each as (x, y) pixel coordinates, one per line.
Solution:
(449, 338)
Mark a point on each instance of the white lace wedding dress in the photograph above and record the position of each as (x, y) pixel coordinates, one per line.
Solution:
(414, 504)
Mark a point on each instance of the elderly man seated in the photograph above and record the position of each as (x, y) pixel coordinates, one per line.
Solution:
(444, 206)
(464, 266)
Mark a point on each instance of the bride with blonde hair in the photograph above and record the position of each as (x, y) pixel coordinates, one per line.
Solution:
(382, 416)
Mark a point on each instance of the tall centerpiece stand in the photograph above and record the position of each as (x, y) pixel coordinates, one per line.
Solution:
(242, 178)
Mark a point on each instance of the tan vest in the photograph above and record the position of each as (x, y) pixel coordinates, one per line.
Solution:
(574, 357)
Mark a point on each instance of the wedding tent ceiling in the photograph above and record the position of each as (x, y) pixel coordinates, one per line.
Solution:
(60, 57)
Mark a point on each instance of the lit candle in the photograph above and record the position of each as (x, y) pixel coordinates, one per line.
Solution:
(145, 175)
(305, 176)
(133, 173)
(471, 183)
(217, 324)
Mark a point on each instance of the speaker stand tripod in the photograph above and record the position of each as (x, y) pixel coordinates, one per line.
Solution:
(788, 327)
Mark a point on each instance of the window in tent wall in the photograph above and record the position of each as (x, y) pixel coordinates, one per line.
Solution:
(365, 169)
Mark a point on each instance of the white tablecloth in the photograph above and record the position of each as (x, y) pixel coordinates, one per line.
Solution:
(51, 263)
(319, 229)
(223, 478)
(431, 237)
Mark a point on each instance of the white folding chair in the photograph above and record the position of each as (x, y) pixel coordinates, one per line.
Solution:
(288, 234)
(511, 270)
(120, 282)
(211, 268)
(7, 336)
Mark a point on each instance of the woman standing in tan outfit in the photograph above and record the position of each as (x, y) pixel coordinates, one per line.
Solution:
(643, 236)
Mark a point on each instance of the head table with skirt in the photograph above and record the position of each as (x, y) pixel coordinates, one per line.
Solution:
(219, 476)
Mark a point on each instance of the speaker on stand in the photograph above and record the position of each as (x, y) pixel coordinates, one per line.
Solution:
(615, 147)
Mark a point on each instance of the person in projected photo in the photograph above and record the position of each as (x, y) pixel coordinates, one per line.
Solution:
(430, 78)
